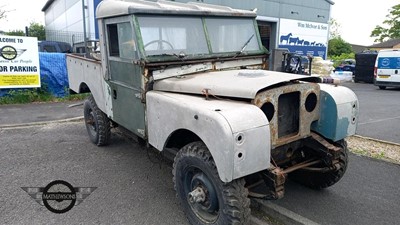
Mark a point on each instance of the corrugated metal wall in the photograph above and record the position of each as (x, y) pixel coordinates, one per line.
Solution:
(306, 10)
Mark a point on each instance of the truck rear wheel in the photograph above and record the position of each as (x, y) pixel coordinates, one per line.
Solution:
(204, 197)
(320, 180)
(97, 123)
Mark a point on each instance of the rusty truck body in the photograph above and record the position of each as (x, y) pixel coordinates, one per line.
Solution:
(191, 80)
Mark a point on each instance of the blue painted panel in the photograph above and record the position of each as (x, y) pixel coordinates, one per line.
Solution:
(389, 63)
(327, 123)
(96, 26)
(307, 50)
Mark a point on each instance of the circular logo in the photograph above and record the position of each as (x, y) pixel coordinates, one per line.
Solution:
(385, 62)
(8, 52)
(59, 196)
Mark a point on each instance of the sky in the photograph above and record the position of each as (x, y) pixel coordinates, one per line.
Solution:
(357, 18)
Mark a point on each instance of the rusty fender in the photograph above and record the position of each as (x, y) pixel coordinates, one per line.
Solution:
(236, 133)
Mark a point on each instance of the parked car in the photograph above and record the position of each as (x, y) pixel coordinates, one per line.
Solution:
(54, 46)
(347, 65)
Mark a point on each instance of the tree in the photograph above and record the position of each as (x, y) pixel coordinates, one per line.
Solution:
(337, 46)
(334, 28)
(2, 14)
(16, 33)
(37, 30)
(390, 28)
(34, 30)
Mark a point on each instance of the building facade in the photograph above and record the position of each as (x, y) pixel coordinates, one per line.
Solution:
(300, 26)
(389, 44)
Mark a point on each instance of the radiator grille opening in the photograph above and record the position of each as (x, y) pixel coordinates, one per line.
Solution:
(288, 114)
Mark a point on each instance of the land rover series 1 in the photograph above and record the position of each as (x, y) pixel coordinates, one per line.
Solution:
(190, 80)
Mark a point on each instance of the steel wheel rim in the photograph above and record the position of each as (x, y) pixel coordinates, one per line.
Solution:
(207, 211)
(91, 123)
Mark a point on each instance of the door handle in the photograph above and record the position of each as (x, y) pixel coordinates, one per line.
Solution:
(115, 94)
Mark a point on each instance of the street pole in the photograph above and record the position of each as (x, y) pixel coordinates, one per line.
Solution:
(84, 28)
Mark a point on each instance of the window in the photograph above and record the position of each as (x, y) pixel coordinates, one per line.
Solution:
(168, 35)
(120, 40)
(49, 48)
(231, 35)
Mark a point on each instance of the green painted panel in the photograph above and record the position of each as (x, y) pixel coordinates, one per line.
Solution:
(128, 109)
(126, 73)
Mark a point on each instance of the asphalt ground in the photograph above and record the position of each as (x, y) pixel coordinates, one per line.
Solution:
(132, 184)
(379, 115)
(368, 193)
(132, 187)
(38, 112)
(135, 187)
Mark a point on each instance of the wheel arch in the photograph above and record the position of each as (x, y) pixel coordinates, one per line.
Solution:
(84, 88)
(181, 137)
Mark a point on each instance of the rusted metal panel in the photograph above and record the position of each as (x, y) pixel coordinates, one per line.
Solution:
(306, 117)
(230, 83)
(182, 70)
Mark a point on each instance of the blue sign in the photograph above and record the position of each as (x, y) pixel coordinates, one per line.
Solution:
(304, 37)
(307, 50)
(389, 63)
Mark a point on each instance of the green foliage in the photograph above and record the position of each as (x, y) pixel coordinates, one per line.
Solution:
(390, 28)
(34, 30)
(26, 96)
(37, 30)
(16, 33)
(337, 60)
(337, 46)
(22, 96)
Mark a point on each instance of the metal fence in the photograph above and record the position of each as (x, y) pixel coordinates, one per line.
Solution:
(68, 36)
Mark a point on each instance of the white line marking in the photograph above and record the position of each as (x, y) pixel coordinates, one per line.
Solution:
(381, 120)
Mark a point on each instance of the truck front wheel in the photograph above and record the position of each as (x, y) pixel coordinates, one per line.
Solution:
(97, 123)
(318, 179)
(204, 197)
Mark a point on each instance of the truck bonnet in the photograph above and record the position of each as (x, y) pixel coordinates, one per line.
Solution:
(230, 83)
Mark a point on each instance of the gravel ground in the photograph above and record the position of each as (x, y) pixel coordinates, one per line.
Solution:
(374, 148)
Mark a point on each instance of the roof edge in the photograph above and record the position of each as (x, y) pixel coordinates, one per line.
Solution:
(330, 2)
(47, 5)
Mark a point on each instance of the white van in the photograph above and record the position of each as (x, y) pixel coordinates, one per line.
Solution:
(387, 68)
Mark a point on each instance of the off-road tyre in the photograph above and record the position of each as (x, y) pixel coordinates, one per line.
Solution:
(320, 180)
(97, 123)
(233, 203)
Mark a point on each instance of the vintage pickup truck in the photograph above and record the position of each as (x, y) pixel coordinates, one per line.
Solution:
(190, 79)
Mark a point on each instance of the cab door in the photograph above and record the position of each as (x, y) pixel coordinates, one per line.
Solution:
(125, 75)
